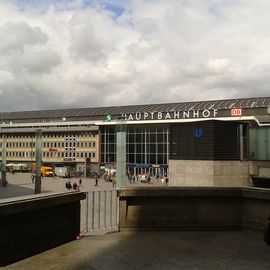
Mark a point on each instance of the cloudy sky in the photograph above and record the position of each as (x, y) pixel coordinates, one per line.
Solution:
(84, 53)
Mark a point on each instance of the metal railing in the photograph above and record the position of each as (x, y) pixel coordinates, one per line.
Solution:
(100, 212)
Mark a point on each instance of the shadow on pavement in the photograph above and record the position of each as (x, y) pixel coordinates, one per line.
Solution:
(12, 190)
(157, 250)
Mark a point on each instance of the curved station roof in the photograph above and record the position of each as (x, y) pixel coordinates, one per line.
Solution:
(254, 106)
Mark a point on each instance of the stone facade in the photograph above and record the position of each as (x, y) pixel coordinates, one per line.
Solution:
(209, 173)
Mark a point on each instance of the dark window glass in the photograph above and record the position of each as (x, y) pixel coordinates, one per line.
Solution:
(160, 137)
(139, 138)
(131, 138)
(131, 148)
(152, 159)
(111, 148)
(161, 159)
(152, 138)
(160, 148)
(131, 158)
(152, 148)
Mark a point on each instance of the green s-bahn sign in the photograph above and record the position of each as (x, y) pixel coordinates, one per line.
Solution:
(108, 117)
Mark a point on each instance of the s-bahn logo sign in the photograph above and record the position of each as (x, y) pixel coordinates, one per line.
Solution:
(170, 115)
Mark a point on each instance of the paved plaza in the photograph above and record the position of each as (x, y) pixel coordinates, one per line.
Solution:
(241, 250)
(20, 184)
(142, 250)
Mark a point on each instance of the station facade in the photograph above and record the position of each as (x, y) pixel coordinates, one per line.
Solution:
(206, 143)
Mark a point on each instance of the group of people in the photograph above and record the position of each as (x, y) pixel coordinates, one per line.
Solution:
(75, 186)
(110, 177)
(146, 178)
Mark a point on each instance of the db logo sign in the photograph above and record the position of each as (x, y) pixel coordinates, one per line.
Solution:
(236, 112)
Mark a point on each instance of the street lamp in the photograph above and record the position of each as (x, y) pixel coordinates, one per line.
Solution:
(38, 162)
(4, 159)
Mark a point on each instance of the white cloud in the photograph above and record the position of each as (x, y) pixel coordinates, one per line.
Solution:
(57, 54)
(16, 35)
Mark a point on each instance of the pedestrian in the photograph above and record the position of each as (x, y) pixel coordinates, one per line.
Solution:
(80, 182)
(97, 177)
(75, 186)
(129, 178)
(69, 185)
(148, 178)
(166, 181)
(162, 181)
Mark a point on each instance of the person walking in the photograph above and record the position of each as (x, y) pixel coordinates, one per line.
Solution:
(80, 182)
(69, 185)
(75, 186)
(97, 178)
(33, 178)
(166, 180)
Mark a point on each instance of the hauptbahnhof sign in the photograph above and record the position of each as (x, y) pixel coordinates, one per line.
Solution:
(171, 115)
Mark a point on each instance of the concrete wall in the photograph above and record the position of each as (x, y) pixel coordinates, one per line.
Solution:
(255, 167)
(198, 208)
(32, 224)
(209, 173)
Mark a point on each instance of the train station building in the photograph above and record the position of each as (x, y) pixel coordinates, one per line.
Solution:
(204, 143)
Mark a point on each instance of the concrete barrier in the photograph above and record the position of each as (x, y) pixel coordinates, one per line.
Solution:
(32, 224)
(191, 208)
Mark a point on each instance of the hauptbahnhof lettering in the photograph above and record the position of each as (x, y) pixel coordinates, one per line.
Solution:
(205, 143)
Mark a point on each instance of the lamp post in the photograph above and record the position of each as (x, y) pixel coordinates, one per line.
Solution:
(121, 158)
(4, 159)
(38, 162)
(31, 154)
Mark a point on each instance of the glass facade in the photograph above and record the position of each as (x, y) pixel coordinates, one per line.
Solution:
(147, 148)
(259, 143)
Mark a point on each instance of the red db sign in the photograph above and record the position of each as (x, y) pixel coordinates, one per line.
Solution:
(236, 112)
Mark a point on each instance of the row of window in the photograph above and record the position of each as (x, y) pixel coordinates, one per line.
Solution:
(138, 158)
(51, 144)
(53, 135)
(52, 154)
(137, 148)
